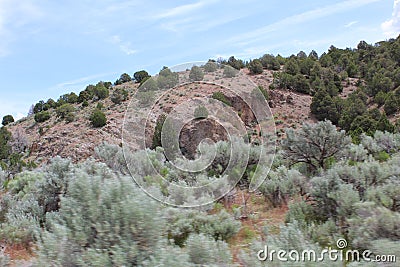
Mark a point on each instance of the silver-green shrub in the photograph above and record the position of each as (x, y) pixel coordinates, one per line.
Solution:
(182, 223)
(290, 238)
(205, 251)
(315, 144)
(102, 221)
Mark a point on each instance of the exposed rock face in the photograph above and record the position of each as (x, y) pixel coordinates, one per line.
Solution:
(196, 131)
(243, 110)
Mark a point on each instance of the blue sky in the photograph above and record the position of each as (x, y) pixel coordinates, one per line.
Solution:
(48, 48)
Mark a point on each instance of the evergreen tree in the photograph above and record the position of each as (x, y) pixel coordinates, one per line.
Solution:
(98, 118)
(324, 107)
(141, 76)
(7, 120)
(255, 67)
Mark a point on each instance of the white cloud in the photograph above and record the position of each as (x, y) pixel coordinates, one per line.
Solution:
(123, 46)
(391, 27)
(348, 25)
(260, 33)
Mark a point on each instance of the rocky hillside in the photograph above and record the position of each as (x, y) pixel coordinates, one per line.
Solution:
(77, 139)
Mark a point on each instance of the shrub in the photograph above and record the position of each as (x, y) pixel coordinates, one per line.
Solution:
(124, 78)
(145, 98)
(85, 103)
(235, 63)
(42, 116)
(181, 224)
(210, 66)
(391, 104)
(150, 84)
(20, 221)
(221, 97)
(255, 67)
(204, 251)
(280, 185)
(167, 79)
(38, 107)
(70, 117)
(119, 95)
(99, 106)
(157, 131)
(98, 118)
(65, 111)
(301, 84)
(100, 91)
(141, 76)
(314, 144)
(68, 98)
(4, 260)
(103, 221)
(230, 72)
(283, 80)
(196, 74)
(7, 119)
(51, 103)
(290, 237)
(270, 62)
(292, 67)
(380, 98)
(323, 106)
(85, 95)
(372, 223)
(3, 179)
(200, 112)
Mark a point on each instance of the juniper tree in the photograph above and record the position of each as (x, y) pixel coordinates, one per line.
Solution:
(255, 66)
(7, 119)
(141, 76)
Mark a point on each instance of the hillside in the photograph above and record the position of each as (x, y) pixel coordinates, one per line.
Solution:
(316, 137)
(78, 139)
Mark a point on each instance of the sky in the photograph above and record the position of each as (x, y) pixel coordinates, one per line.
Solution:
(49, 48)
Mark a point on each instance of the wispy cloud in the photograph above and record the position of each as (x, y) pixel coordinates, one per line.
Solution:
(314, 14)
(197, 23)
(13, 17)
(183, 10)
(189, 17)
(80, 81)
(348, 25)
(117, 7)
(125, 47)
(178, 25)
(391, 27)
